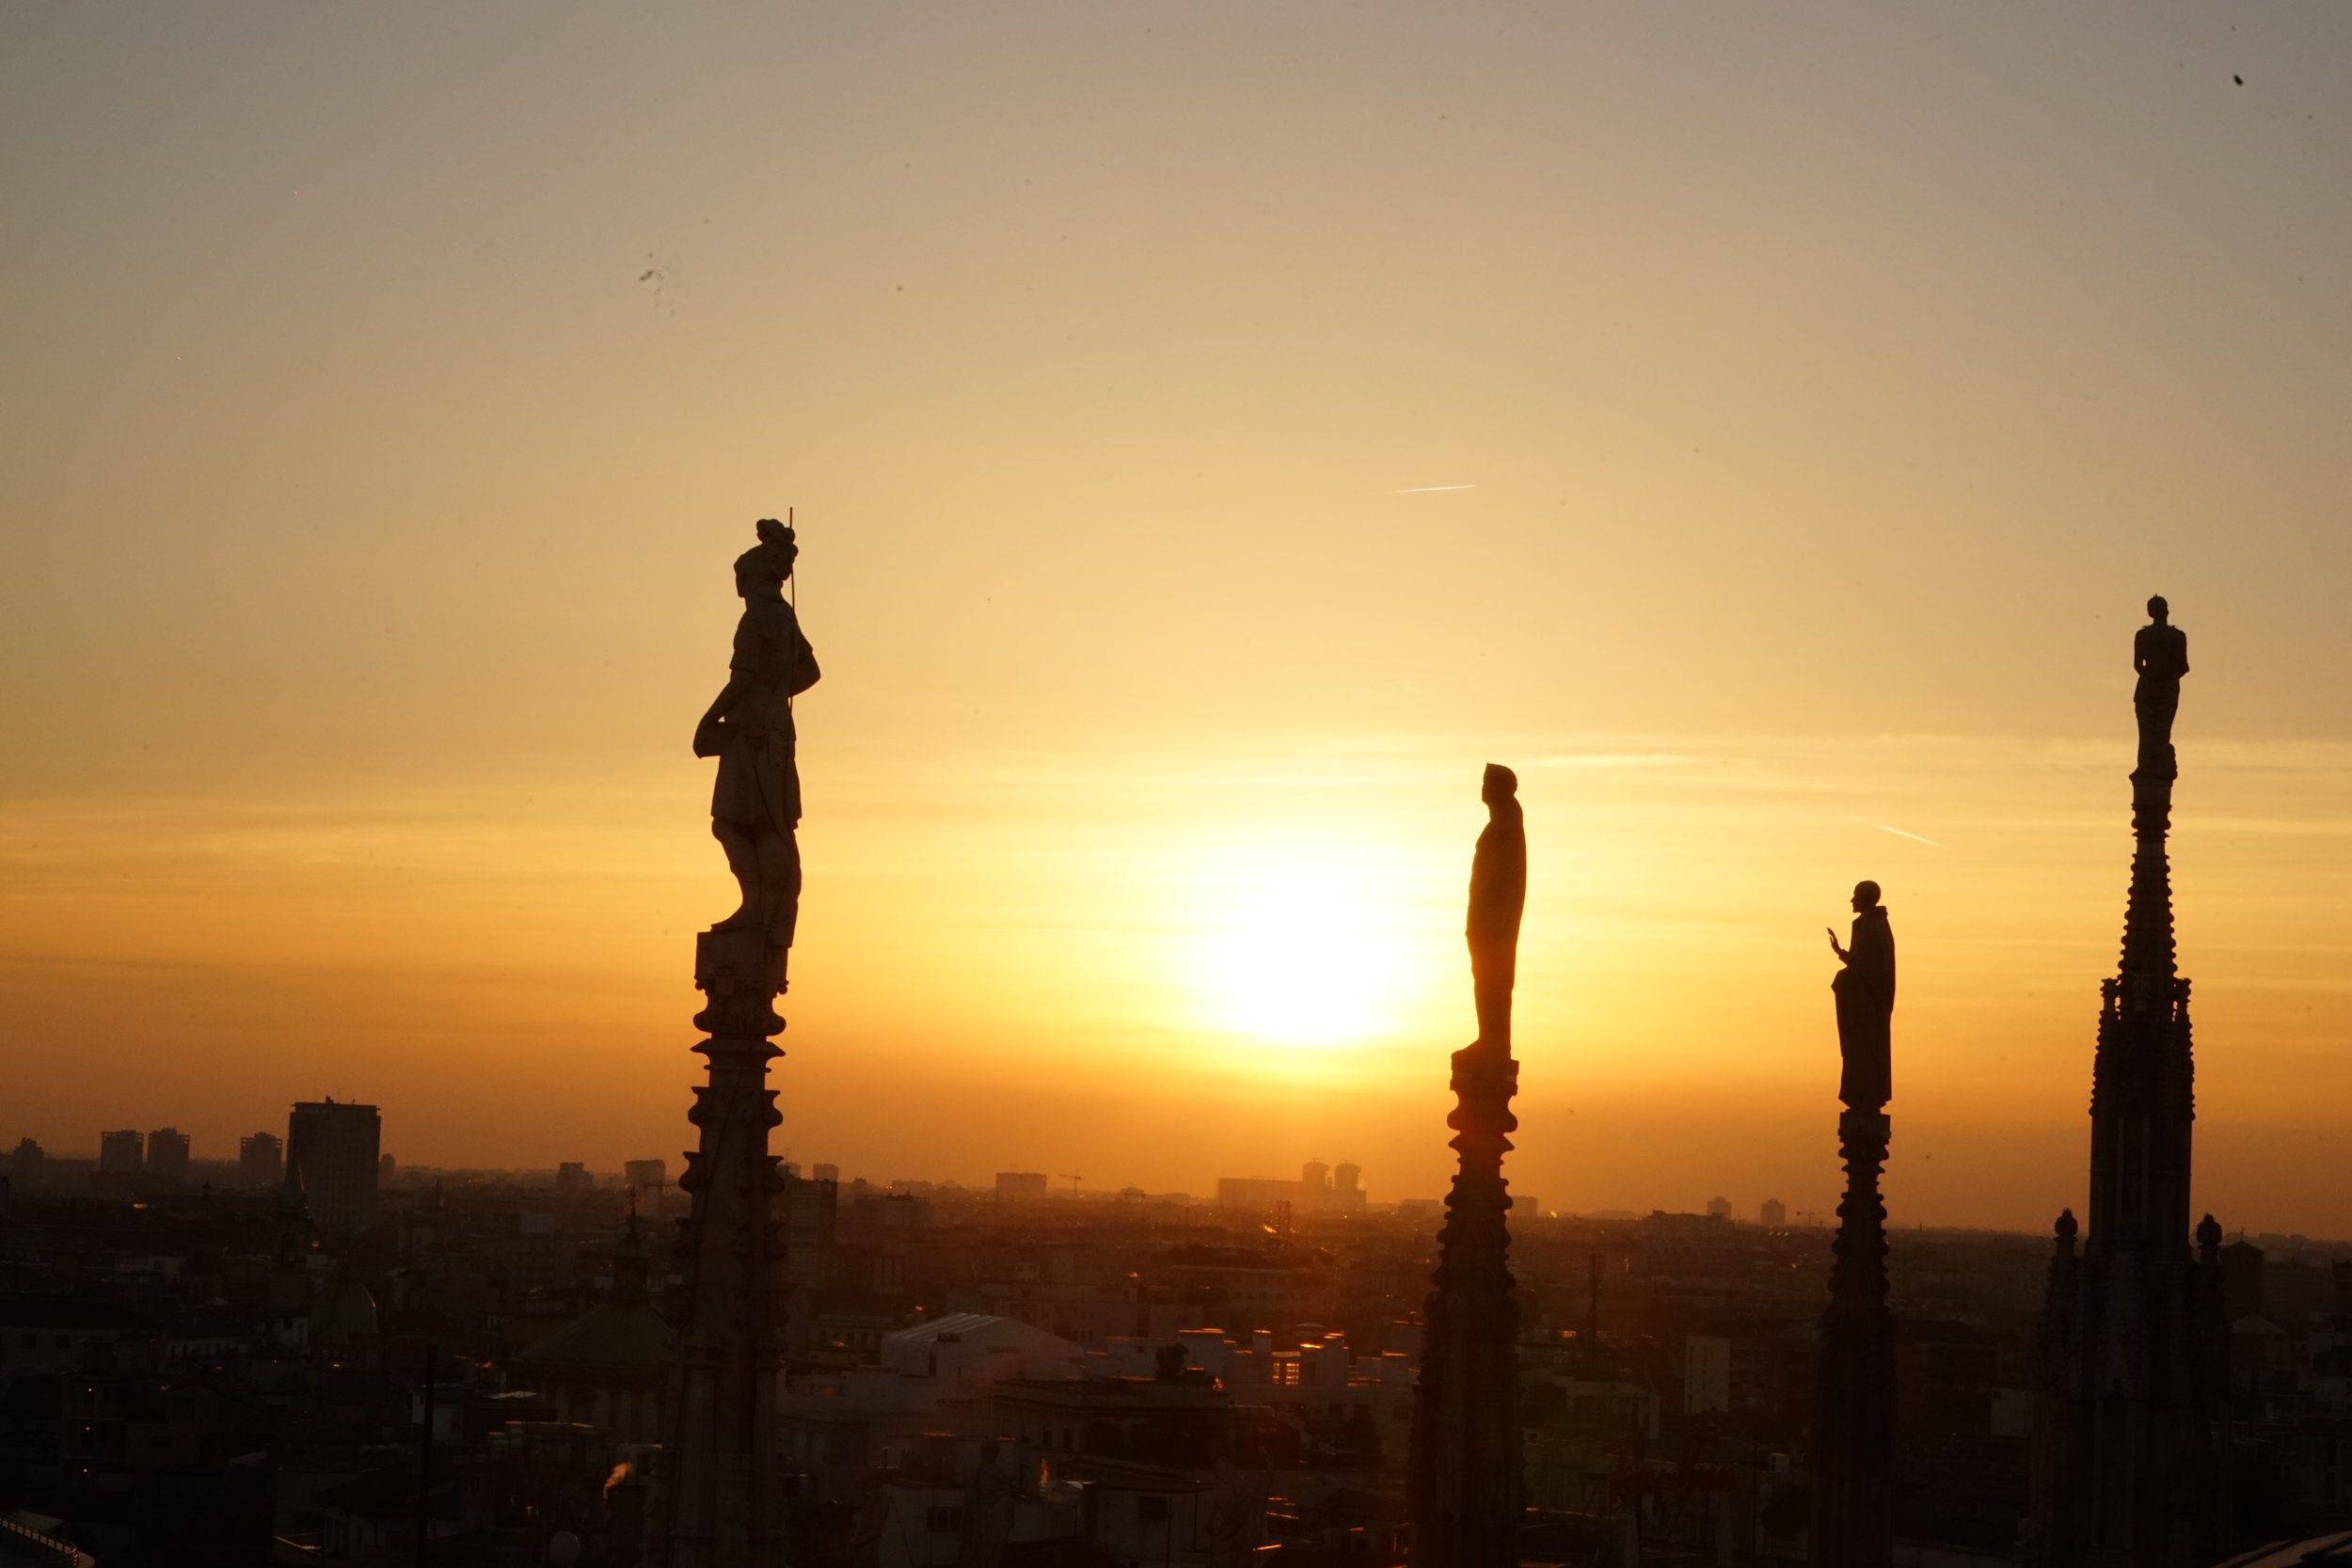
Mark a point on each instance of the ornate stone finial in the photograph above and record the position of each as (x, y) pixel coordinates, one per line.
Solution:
(2066, 1227)
(2209, 1239)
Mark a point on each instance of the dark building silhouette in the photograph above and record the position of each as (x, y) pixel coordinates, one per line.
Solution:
(2135, 1347)
(1465, 1485)
(29, 1167)
(331, 1150)
(260, 1162)
(606, 1367)
(121, 1153)
(167, 1155)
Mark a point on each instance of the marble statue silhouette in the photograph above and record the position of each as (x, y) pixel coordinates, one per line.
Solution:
(755, 806)
(2160, 655)
(1865, 989)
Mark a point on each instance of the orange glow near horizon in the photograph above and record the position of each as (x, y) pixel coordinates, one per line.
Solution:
(1216, 433)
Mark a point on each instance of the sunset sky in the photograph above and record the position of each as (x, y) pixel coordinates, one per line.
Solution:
(1217, 431)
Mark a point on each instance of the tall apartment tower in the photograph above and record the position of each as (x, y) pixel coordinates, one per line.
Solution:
(260, 1162)
(331, 1150)
(167, 1155)
(121, 1153)
(2135, 1346)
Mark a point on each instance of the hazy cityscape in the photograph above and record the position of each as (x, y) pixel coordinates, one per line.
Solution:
(243, 1358)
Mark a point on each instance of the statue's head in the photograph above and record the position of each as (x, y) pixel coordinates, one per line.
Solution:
(1500, 783)
(760, 571)
(2159, 609)
(1865, 896)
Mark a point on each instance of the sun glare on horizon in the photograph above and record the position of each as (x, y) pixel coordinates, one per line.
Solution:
(1307, 951)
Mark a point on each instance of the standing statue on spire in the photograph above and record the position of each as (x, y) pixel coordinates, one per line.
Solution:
(1498, 897)
(1464, 1482)
(1855, 1429)
(755, 807)
(1865, 989)
(2160, 655)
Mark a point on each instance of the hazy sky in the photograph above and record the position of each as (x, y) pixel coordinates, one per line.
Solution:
(1217, 431)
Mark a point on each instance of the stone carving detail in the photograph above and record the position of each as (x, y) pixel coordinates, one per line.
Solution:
(1464, 1482)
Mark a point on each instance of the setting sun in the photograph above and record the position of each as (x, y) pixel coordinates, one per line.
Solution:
(1310, 954)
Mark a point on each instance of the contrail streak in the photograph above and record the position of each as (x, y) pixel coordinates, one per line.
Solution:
(1430, 489)
(1899, 834)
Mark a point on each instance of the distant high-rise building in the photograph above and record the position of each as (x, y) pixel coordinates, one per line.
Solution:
(331, 1148)
(168, 1154)
(643, 1176)
(1257, 1193)
(385, 1168)
(121, 1153)
(29, 1167)
(1719, 1208)
(827, 1173)
(572, 1176)
(1314, 1180)
(1773, 1215)
(260, 1162)
(1020, 1187)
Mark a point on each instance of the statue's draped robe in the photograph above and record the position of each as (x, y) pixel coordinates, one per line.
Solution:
(1498, 897)
(1866, 1007)
(759, 776)
(2161, 653)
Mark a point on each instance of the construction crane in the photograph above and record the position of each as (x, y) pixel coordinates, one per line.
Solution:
(1073, 1182)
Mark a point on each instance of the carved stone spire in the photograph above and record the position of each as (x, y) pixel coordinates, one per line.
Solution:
(719, 1501)
(2134, 1348)
(1465, 1484)
(1855, 1434)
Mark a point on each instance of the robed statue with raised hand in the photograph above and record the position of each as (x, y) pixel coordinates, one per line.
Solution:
(1865, 989)
(755, 807)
